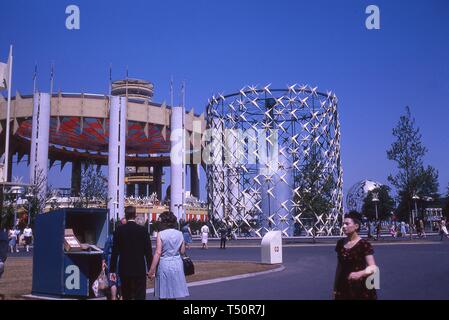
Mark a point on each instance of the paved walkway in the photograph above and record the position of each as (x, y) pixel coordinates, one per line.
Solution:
(408, 270)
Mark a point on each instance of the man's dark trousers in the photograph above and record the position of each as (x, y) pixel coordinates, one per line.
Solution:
(132, 247)
(133, 288)
(223, 243)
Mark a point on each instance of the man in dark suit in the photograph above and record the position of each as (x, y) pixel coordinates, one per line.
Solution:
(132, 247)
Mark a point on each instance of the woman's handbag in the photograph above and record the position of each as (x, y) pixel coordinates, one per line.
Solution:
(189, 268)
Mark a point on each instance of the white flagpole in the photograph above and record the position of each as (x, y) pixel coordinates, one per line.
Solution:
(110, 79)
(51, 81)
(183, 95)
(8, 115)
(171, 92)
(34, 78)
(183, 150)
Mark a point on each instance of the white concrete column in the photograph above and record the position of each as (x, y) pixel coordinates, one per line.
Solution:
(283, 186)
(219, 196)
(39, 142)
(233, 178)
(265, 178)
(116, 156)
(177, 158)
(195, 181)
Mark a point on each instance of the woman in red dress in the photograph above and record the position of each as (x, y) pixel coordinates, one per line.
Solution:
(355, 263)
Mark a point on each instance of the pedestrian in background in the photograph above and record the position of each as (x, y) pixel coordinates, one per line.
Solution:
(419, 225)
(28, 237)
(187, 235)
(204, 235)
(114, 286)
(223, 236)
(435, 226)
(18, 236)
(422, 227)
(167, 266)
(378, 229)
(392, 231)
(370, 230)
(403, 229)
(12, 236)
(443, 229)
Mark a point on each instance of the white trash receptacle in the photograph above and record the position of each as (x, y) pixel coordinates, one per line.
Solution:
(271, 247)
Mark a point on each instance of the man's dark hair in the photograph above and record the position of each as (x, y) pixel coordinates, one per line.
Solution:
(168, 220)
(130, 213)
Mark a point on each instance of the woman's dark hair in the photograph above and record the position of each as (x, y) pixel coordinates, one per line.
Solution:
(168, 221)
(355, 217)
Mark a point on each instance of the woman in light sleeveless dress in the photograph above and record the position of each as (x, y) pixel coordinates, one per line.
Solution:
(443, 229)
(170, 279)
(187, 233)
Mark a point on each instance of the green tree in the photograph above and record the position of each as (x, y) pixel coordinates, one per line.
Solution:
(412, 178)
(52, 199)
(36, 198)
(7, 217)
(315, 187)
(446, 207)
(94, 188)
(385, 205)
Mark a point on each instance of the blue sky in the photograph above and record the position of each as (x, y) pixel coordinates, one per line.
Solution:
(220, 46)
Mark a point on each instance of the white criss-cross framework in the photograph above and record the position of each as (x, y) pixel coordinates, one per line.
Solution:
(273, 161)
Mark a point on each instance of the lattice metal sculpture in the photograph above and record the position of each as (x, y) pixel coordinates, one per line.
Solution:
(273, 161)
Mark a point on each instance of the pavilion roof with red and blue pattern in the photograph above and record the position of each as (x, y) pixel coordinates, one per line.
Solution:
(92, 134)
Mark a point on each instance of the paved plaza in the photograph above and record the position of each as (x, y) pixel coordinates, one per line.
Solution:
(409, 269)
(416, 269)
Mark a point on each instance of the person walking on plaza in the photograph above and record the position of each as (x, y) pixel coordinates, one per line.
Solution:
(12, 236)
(403, 229)
(3, 250)
(422, 228)
(223, 236)
(378, 229)
(28, 235)
(443, 229)
(187, 235)
(167, 266)
(114, 286)
(417, 228)
(419, 225)
(408, 229)
(204, 235)
(18, 236)
(355, 263)
(370, 230)
(435, 226)
(393, 230)
(132, 254)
